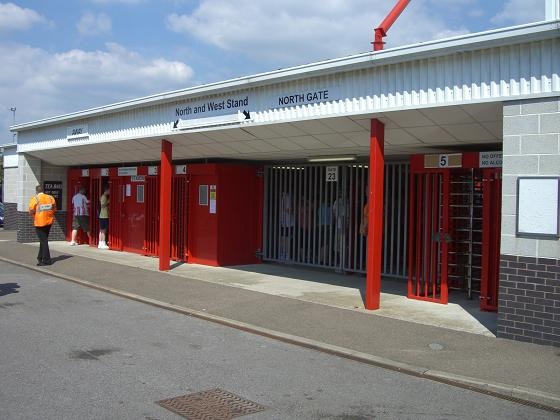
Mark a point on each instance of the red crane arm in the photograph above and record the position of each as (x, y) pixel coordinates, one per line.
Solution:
(381, 30)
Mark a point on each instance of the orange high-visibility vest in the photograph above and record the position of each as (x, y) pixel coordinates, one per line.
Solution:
(42, 207)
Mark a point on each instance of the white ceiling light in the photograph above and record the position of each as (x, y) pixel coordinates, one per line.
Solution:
(331, 158)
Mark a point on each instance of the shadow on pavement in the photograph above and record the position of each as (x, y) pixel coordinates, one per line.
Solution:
(61, 258)
(8, 288)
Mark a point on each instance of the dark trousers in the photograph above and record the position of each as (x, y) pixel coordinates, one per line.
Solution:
(43, 235)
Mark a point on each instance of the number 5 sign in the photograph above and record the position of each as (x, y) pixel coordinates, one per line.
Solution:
(332, 173)
(443, 161)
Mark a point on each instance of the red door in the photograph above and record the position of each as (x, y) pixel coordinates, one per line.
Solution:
(151, 241)
(428, 236)
(95, 193)
(491, 228)
(179, 212)
(133, 227)
(116, 216)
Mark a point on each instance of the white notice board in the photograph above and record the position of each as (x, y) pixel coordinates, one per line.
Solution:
(538, 207)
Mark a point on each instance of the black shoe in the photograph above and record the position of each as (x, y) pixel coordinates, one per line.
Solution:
(40, 263)
(49, 262)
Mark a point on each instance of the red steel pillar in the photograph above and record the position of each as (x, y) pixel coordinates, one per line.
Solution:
(375, 213)
(165, 206)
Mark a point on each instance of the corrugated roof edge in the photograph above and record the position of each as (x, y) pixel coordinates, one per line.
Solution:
(463, 43)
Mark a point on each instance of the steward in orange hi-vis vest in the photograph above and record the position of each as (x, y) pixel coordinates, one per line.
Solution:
(42, 207)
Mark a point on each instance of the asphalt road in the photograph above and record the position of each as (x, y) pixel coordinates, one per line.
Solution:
(70, 352)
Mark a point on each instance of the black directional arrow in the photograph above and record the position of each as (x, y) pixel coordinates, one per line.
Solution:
(175, 124)
(247, 115)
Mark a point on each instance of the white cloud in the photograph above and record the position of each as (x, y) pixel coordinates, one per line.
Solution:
(13, 17)
(294, 32)
(94, 24)
(520, 11)
(42, 84)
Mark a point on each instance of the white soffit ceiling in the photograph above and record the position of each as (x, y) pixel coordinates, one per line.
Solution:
(411, 131)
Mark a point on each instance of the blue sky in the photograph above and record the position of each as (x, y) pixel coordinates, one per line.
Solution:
(60, 56)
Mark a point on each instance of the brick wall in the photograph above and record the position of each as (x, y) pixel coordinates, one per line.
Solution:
(529, 304)
(26, 230)
(10, 216)
(529, 298)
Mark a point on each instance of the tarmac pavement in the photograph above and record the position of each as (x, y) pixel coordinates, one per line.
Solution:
(519, 371)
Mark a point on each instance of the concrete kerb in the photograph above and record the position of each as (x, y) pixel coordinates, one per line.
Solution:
(526, 396)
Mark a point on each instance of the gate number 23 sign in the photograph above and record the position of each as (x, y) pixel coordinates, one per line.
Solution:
(332, 173)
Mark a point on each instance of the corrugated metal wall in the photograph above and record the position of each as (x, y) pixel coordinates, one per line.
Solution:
(492, 74)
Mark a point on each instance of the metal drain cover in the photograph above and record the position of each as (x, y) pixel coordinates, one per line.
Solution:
(215, 404)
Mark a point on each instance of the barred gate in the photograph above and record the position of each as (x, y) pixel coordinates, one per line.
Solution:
(151, 240)
(316, 215)
(179, 217)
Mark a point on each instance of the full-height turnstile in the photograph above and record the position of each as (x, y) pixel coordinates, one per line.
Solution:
(454, 226)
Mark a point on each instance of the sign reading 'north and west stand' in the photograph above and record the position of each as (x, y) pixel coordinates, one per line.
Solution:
(231, 104)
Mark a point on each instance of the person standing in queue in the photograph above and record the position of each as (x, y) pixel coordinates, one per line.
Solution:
(42, 208)
(103, 218)
(80, 218)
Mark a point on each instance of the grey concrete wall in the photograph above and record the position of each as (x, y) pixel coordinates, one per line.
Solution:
(31, 172)
(529, 300)
(29, 176)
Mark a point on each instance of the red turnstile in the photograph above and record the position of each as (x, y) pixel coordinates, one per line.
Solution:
(179, 214)
(95, 206)
(116, 215)
(454, 227)
(428, 236)
(151, 242)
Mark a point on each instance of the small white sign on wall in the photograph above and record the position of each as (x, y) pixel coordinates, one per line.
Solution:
(180, 169)
(77, 132)
(212, 199)
(538, 202)
(104, 171)
(127, 171)
(490, 160)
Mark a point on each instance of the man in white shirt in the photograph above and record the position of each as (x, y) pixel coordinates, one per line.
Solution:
(80, 218)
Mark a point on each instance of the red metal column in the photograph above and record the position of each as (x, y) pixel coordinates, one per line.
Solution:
(375, 214)
(165, 206)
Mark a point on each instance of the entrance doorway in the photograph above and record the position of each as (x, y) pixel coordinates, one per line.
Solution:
(314, 216)
(455, 216)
